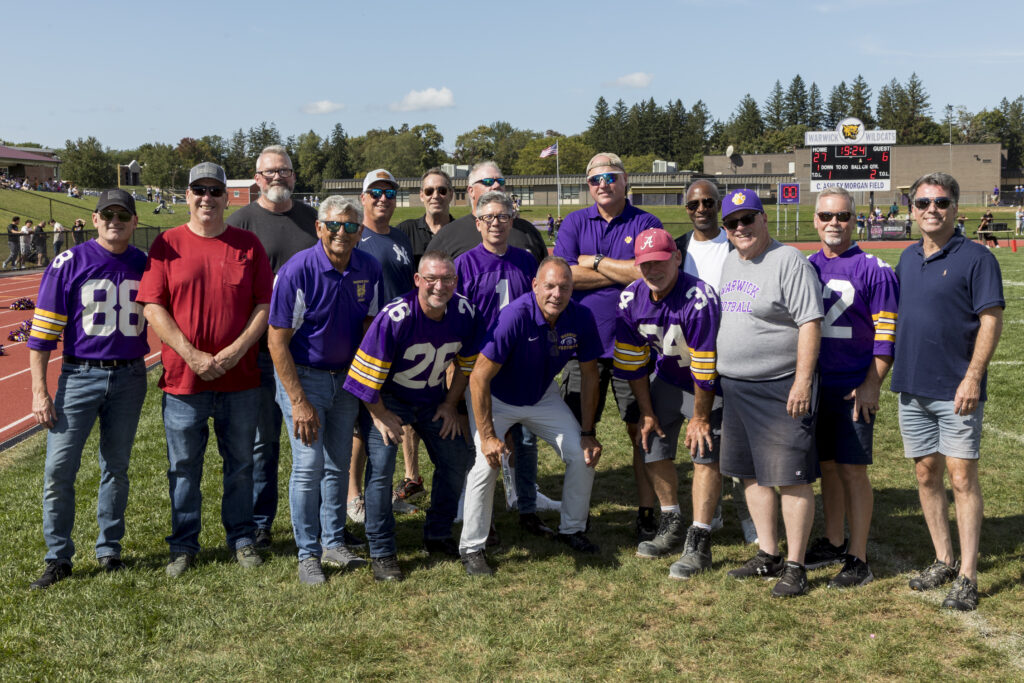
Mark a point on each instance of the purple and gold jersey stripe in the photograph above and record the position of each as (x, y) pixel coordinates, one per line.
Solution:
(47, 325)
(629, 358)
(466, 363)
(885, 326)
(702, 365)
(369, 371)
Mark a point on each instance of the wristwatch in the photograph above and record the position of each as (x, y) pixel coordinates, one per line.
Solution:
(597, 259)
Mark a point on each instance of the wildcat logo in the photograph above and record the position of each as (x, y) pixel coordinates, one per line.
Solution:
(851, 131)
(739, 198)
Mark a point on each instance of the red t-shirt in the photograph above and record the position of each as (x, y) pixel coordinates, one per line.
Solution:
(210, 286)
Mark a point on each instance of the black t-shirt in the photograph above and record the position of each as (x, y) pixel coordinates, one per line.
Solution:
(461, 235)
(282, 234)
(13, 234)
(418, 232)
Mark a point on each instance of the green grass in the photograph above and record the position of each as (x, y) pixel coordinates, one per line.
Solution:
(545, 615)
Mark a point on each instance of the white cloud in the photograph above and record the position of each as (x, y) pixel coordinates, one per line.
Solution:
(321, 107)
(637, 79)
(421, 100)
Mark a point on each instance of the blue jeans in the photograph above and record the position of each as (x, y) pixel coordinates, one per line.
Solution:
(452, 459)
(319, 480)
(188, 431)
(525, 444)
(115, 396)
(266, 452)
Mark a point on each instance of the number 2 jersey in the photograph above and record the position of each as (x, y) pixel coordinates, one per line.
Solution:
(88, 293)
(681, 328)
(861, 294)
(405, 354)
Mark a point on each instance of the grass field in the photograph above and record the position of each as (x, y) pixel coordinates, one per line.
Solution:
(546, 614)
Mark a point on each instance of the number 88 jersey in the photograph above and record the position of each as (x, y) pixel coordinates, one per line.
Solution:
(88, 293)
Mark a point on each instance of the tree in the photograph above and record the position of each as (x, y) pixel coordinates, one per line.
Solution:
(573, 155)
(162, 165)
(782, 140)
(815, 108)
(745, 126)
(601, 131)
(795, 109)
(859, 104)
(310, 160)
(88, 164)
(891, 107)
(620, 114)
(260, 137)
(696, 137)
(838, 100)
(337, 158)
(499, 142)
(236, 158)
(775, 109)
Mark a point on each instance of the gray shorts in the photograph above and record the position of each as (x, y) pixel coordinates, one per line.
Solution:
(760, 440)
(929, 426)
(672, 405)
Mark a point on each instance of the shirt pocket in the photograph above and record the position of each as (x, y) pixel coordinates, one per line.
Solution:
(237, 270)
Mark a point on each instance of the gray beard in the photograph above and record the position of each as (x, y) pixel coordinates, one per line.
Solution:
(278, 194)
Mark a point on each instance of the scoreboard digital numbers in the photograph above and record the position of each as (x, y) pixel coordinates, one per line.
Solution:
(789, 193)
(853, 167)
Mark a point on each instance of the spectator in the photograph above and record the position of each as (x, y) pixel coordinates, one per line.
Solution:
(78, 231)
(58, 237)
(13, 243)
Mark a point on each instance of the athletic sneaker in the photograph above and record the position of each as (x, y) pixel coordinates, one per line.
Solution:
(671, 534)
(247, 557)
(934, 576)
(56, 570)
(855, 572)
(696, 556)
(579, 542)
(342, 557)
(963, 596)
(534, 525)
(387, 569)
(357, 509)
(792, 583)
(410, 489)
(822, 553)
(762, 566)
(310, 572)
(179, 564)
(646, 524)
(262, 538)
(111, 563)
(476, 564)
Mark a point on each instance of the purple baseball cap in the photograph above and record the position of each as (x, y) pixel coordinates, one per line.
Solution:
(738, 200)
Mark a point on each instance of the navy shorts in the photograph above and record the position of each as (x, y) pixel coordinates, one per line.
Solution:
(839, 437)
(672, 405)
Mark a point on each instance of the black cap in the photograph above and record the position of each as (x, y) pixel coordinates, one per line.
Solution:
(116, 198)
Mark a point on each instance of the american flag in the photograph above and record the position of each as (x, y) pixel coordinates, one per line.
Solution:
(549, 151)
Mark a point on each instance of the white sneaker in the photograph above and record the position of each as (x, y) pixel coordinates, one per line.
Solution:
(749, 532)
(357, 510)
(546, 504)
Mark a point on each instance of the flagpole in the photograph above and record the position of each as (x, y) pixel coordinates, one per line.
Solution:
(558, 180)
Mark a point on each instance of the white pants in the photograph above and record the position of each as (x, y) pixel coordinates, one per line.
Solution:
(551, 420)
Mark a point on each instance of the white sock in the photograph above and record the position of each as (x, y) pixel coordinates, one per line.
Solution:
(670, 508)
(701, 525)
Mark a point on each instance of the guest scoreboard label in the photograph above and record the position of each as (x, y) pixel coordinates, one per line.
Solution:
(853, 166)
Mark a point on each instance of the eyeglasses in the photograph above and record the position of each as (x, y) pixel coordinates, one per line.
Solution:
(490, 218)
(203, 190)
(609, 178)
(487, 182)
(377, 193)
(431, 280)
(334, 226)
(706, 202)
(733, 223)
(827, 216)
(441, 191)
(109, 214)
(281, 172)
(922, 203)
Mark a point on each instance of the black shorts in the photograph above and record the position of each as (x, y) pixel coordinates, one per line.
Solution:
(839, 437)
(760, 440)
(629, 411)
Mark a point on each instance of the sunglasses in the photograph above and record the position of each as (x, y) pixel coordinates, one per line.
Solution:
(109, 214)
(282, 172)
(922, 203)
(608, 178)
(490, 218)
(733, 223)
(203, 190)
(487, 182)
(706, 202)
(334, 226)
(377, 193)
(827, 216)
(441, 191)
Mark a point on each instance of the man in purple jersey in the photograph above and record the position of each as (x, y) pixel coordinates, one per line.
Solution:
(676, 315)
(323, 296)
(491, 275)
(88, 294)
(399, 373)
(513, 383)
(861, 295)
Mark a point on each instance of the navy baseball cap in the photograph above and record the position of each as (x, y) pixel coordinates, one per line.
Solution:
(120, 198)
(738, 200)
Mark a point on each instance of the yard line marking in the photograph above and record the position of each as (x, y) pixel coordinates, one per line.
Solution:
(1013, 283)
(1007, 362)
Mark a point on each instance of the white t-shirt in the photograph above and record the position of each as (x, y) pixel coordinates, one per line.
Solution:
(705, 259)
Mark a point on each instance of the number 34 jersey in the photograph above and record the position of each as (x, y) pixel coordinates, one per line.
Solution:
(860, 293)
(88, 293)
(405, 354)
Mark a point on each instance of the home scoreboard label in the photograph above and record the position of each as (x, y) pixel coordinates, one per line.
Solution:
(851, 166)
(789, 193)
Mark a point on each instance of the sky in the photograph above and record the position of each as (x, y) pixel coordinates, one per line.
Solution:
(131, 73)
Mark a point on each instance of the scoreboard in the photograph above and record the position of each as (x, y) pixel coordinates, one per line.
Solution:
(853, 166)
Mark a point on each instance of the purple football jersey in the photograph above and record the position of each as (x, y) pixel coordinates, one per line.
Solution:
(89, 293)
(861, 296)
(681, 328)
(491, 281)
(405, 353)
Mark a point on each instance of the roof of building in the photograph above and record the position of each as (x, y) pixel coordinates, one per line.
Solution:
(244, 182)
(21, 156)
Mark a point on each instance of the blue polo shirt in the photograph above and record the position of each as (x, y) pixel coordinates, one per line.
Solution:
(325, 308)
(937, 322)
(531, 353)
(586, 232)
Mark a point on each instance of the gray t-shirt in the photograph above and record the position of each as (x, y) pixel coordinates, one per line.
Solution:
(764, 302)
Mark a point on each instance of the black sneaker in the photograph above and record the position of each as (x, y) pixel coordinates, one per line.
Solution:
(963, 596)
(792, 583)
(534, 525)
(696, 557)
(855, 572)
(387, 569)
(111, 563)
(352, 539)
(56, 570)
(441, 546)
(822, 553)
(646, 524)
(762, 565)
(476, 564)
(671, 535)
(937, 574)
(579, 542)
(262, 538)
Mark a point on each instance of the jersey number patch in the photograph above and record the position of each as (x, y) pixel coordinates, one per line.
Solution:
(107, 307)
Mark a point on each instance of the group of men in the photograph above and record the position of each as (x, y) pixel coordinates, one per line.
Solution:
(454, 331)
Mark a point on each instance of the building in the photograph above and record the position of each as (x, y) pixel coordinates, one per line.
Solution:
(129, 174)
(37, 165)
(242, 192)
